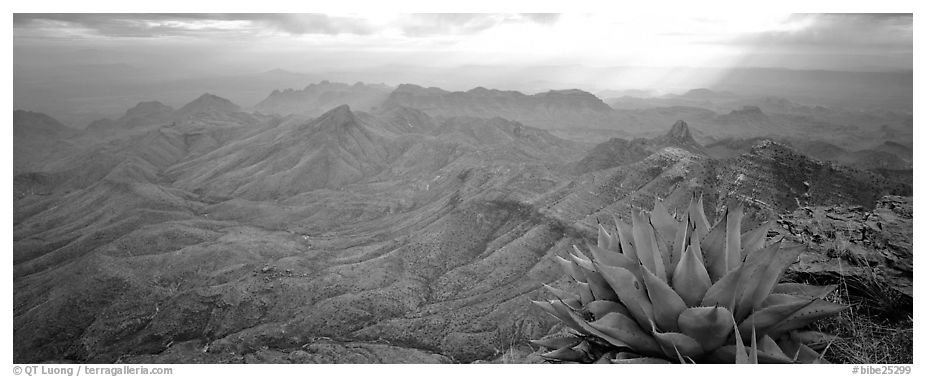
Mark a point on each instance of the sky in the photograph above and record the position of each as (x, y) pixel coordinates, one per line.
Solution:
(266, 41)
(69, 63)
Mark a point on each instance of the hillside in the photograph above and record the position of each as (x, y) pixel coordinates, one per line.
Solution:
(143, 114)
(617, 152)
(392, 235)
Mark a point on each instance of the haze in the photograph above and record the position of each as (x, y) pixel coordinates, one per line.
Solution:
(80, 67)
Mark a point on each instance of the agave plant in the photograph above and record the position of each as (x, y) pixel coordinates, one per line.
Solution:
(668, 289)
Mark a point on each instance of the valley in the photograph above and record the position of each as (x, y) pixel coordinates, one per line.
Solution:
(353, 223)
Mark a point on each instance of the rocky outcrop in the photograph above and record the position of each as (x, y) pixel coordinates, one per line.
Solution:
(850, 242)
(617, 152)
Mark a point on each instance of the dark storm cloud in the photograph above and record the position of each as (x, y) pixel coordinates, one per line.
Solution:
(849, 32)
(188, 24)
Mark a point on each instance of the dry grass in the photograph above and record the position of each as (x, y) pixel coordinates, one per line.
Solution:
(877, 327)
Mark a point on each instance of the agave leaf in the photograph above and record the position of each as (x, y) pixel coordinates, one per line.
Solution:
(600, 308)
(625, 236)
(813, 339)
(626, 330)
(741, 354)
(782, 298)
(644, 238)
(570, 268)
(755, 239)
(813, 311)
(565, 313)
(561, 294)
(690, 279)
(682, 240)
(678, 355)
(696, 213)
(600, 288)
(622, 355)
(565, 354)
(764, 267)
(610, 258)
(589, 329)
(585, 294)
(558, 342)
(769, 317)
(804, 290)
(768, 346)
(798, 352)
(667, 305)
(581, 260)
(727, 355)
(670, 342)
(604, 238)
(695, 246)
(665, 227)
(724, 291)
(711, 327)
(548, 307)
(754, 357)
(640, 360)
(632, 292)
(733, 249)
(713, 246)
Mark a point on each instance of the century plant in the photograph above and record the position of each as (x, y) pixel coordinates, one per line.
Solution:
(668, 289)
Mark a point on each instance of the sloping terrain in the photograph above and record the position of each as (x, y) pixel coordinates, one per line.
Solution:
(617, 152)
(37, 138)
(144, 114)
(392, 235)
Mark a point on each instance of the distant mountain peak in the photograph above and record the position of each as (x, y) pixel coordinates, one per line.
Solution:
(338, 118)
(680, 131)
(208, 103)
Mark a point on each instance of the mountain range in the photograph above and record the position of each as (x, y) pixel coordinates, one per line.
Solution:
(417, 230)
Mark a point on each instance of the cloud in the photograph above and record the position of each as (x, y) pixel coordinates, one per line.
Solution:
(199, 24)
(190, 24)
(846, 32)
(424, 25)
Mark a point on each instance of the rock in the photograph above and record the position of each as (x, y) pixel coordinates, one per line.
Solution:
(850, 242)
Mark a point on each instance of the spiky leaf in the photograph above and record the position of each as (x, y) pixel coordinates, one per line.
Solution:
(644, 238)
(674, 342)
(755, 239)
(696, 213)
(632, 292)
(815, 310)
(733, 249)
(558, 342)
(764, 268)
(713, 247)
(690, 278)
(565, 354)
(626, 330)
(724, 291)
(625, 234)
(600, 308)
(709, 326)
(667, 305)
